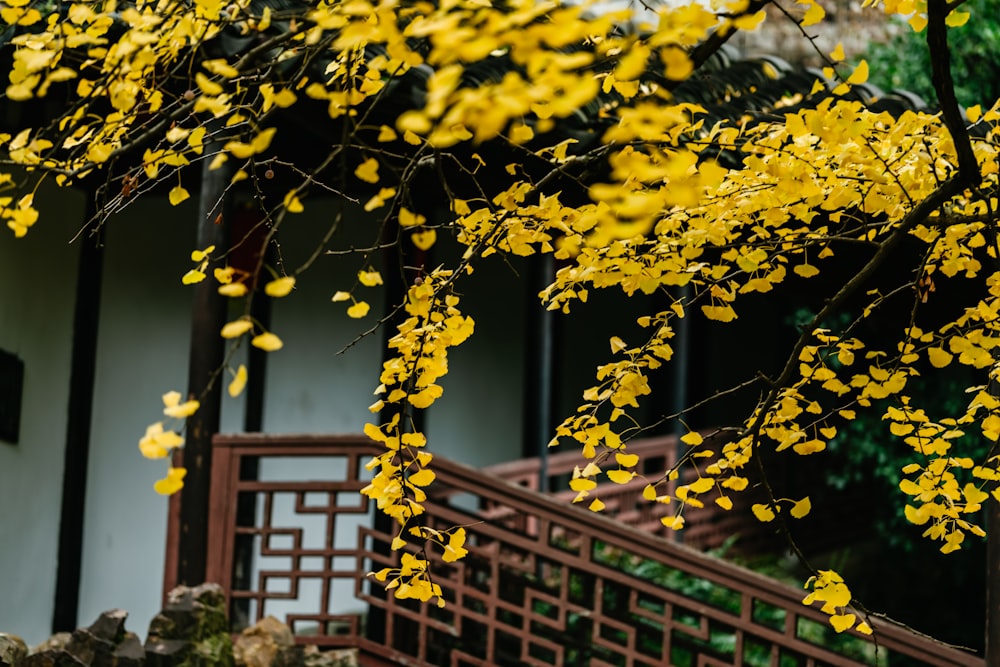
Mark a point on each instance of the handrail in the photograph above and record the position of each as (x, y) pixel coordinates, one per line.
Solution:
(546, 583)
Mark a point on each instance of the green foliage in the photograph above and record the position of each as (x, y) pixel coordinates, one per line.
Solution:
(975, 57)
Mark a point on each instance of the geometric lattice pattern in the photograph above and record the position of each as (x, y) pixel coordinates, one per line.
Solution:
(544, 583)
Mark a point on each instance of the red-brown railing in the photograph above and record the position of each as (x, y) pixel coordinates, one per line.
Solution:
(545, 583)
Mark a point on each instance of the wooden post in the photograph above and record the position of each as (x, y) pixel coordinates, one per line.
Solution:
(539, 368)
(993, 582)
(83, 364)
(207, 350)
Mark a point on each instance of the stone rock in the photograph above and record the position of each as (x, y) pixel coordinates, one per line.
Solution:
(129, 652)
(105, 643)
(270, 643)
(191, 631)
(55, 642)
(347, 657)
(98, 645)
(52, 658)
(12, 650)
(260, 644)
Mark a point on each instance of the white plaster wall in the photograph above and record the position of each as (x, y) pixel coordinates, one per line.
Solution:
(142, 353)
(311, 386)
(37, 277)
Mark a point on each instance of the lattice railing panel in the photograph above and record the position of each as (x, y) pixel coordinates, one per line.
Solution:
(544, 582)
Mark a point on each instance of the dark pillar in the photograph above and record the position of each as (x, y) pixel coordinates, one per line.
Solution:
(207, 350)
(992, 582)
(83, 363)
(539, 368)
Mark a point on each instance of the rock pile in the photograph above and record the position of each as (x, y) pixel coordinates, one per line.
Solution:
(191, 631)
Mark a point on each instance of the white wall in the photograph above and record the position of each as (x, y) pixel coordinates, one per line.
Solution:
(311, 388)
(142, 353)
(37, 278)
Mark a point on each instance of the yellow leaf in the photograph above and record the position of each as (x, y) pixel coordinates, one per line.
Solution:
(172, 483)
(841, 622)
(424, 240)
(725, 502)
(233, 290)
(193, 276)
(358, 310)
(991, 427)
(177, 195)
(340, 295)
(838, 53)
(621, 476)
(174, 408)
(649, 492)
(957, 18)
(267, 341)
(217, 161)
(974, 496)
(236, 328)
(455, 549)
(239, 381)
(596, 505)
(806, 270)
(899, 429)
(801, 508)
(701, 485)
(673, 522)
(973, 113)
(397, 543)
(522, 134)
(864, 628)
(627, 460)
(719, 313)
(280, 287)
(582, 484)
(370, 278)
(292, 203)
(749, 22)
(692, 438)
(408, 218)
(860, 73)
(367, 171)
(157, 443)
(422, 477)
(938, 357)
(813, 15)
(762, 512)
(617, 344)
(220, 67)
(736, 483)
(199, 255)
(385, 134)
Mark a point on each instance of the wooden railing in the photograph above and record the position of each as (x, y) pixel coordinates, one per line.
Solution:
(545, 583)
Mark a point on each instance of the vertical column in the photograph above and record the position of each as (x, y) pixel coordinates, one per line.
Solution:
(83, 364)
(207, 350)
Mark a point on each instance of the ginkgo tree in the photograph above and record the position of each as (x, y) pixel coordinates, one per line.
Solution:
(661, 197)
